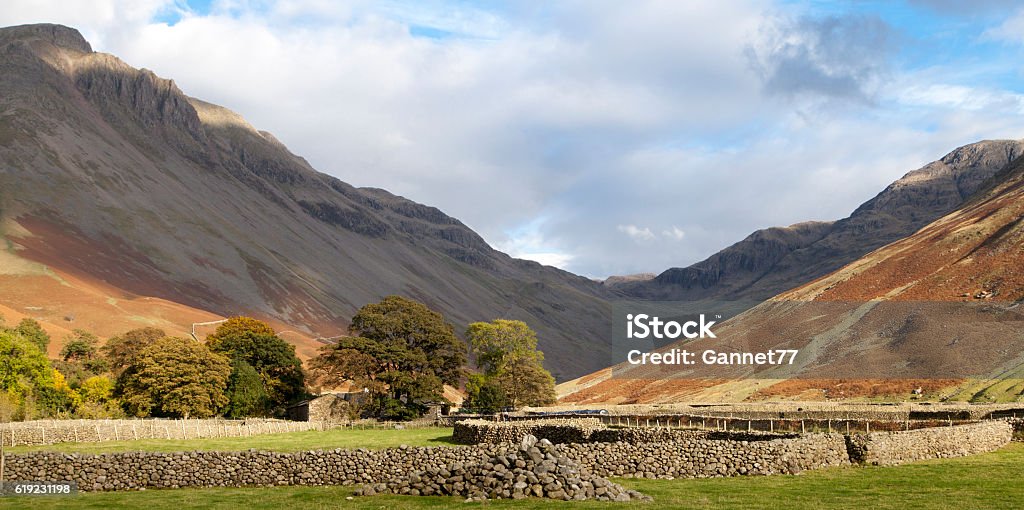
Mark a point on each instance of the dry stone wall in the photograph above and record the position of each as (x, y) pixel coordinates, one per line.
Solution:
(891, 448)
(697, 457)
(586, 430)
(1018, 428)
(531, 467)
(576, 430)
(535, 468)
(47, 432)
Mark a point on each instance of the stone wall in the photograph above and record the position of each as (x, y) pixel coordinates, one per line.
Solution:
(1018, 428)
(586, 430)
(46, 432)
(696, 457)
(704, 457)
(577, 430)
(891, 448)
(473, 470)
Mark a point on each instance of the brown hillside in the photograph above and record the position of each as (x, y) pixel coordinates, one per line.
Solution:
(935, 310)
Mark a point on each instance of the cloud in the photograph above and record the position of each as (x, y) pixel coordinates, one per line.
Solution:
(605, 137)
(637, 233)
(1010, 30)
(675, 233)
(833, 57)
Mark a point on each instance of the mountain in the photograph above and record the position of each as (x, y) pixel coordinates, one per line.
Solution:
(938, 310)
(126, 202)
(616, 281)
(777, 259)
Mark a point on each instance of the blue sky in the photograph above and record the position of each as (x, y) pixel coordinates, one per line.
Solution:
(603, 137)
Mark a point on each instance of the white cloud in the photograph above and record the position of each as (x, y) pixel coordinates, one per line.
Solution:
(1011, 30)
(637, 233)
(675, 233)
(961, 97)
(547, 259)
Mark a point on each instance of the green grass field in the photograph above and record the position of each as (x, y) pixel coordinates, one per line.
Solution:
(992, 480)
(285, 442)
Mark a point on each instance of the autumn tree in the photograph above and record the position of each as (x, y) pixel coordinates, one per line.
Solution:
(79, 346)
(253, 345)
(176, 377)
(80, 357)
(401, 351)
(121, 350)
(97, 399)
(512, 367)
(97, 389)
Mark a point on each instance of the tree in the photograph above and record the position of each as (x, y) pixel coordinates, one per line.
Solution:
(24, 369)
(97, 399)
(485, 394)
(255, 343)
(121, 350)
(80, 346)
(246, 394)
(401, 351)
(97, 389)
(80, 358)
(398, 320)
(176, 377)
(506, 352)
(32, 331)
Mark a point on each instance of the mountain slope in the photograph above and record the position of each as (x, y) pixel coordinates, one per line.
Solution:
(774, 260)
(939, 309)
(112, 173)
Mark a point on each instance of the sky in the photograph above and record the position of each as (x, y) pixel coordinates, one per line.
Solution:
(602, 137)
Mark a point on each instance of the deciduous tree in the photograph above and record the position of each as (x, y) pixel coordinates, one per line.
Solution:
(506, 352)
(401, 352)
(32, 331)
(177, 377)
(255, 343)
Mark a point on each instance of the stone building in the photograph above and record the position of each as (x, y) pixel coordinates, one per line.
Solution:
(329, 407)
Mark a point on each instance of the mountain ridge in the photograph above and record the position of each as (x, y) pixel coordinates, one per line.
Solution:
(115, 172)
(938, 309)
(766, 263)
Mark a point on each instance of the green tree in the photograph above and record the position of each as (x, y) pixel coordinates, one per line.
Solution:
(80, 358)
(24, 369)
(176, 377)
(255, 343)
(121, 350)
(80, 346)
(484, 394)
(506, 352)
(246, 394)
(401, 352)
(401, 321)
(32, 331)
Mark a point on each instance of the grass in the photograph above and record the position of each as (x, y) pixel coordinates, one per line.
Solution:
(284, 442)
(990, 480)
